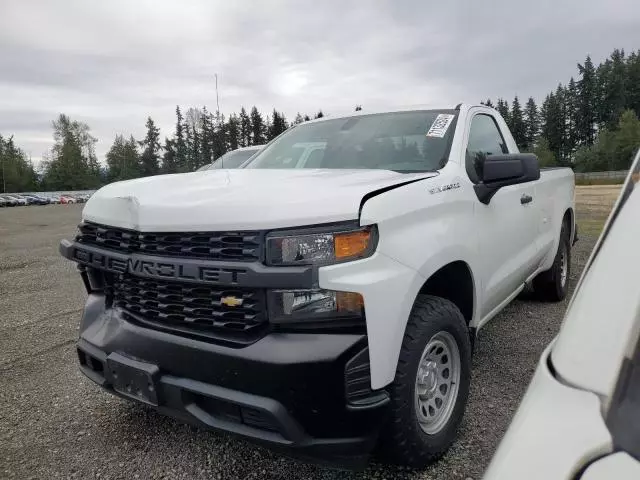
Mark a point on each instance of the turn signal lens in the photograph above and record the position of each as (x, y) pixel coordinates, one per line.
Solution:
(349, 302)
(351, 244)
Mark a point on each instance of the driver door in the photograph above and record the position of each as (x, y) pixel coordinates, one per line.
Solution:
(506, 227)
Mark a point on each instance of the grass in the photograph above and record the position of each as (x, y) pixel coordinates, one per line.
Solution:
(593, 205)
(599, 181)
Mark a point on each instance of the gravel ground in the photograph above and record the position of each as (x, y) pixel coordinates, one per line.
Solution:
(54, 423)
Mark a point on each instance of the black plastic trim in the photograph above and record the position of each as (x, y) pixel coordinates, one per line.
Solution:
(375, 193)
(267, 392)
(191, 270)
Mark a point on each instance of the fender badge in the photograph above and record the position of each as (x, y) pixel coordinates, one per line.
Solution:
(444, 188)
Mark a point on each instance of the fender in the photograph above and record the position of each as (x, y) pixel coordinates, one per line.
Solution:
(417, 223)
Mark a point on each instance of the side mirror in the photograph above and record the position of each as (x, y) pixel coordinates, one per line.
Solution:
(497, 171)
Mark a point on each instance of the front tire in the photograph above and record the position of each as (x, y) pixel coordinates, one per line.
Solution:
(430, 390)
(553, 284)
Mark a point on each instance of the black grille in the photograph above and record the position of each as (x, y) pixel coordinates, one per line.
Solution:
(192, 308)
(243, 246)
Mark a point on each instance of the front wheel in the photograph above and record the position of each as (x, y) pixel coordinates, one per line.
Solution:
(430, 390)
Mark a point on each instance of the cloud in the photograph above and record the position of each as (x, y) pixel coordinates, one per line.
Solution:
(112, 64)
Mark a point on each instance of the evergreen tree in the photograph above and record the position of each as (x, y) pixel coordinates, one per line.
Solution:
(614, 148)
(193, 135)
(571, 118)
(552, 127)
(195, 156)
(245, 129)
(611, 84)
(180, 159)
(306, 118)
(531, 124)
(16, 170)
(277, 126)
(206, 137)
(546, 158)
(123, 160)
(233, 132)
(169, 164)
(633, 82)
(319, 114)
(73, 164)
(503, 109)
(488, 103)
(558, 139)
(585, 103)
(358, 108)
(150, 160)
(257, 127)
(219, 136)
(518, 128)
(298, 120)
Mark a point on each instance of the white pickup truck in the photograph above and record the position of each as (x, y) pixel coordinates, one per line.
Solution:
(323, 300)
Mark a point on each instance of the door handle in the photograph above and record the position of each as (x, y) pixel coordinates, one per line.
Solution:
(524, 199)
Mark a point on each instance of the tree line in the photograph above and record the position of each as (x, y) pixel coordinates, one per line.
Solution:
(590, 123)
(199, 137)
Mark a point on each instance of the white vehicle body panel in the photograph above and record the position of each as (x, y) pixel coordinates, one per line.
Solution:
(607, 293)
(599, 337)
(240, 199)
(430, 221)
(619, 466)
(556, 430)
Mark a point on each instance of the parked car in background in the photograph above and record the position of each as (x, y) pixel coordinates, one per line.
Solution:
(580, 418)
(36, 200)
(18, 200)
(43, 197)
(233, 159)
(8, 201)
(67, 199)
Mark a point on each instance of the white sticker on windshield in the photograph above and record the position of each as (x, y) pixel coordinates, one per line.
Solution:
(440, 125)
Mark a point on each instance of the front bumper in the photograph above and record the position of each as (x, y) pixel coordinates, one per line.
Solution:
(286, 390)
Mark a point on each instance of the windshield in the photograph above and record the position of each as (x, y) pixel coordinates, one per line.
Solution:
(230, 159)
(402, 141)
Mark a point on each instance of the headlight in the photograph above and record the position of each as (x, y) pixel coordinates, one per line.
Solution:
(294, 306)
(321, 246)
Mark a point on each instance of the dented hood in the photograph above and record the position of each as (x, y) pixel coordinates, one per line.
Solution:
(243, 199)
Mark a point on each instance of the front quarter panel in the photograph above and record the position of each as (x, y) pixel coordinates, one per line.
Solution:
(428, 224)
(423, 226)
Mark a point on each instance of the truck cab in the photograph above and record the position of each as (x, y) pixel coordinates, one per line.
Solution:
(322, 300)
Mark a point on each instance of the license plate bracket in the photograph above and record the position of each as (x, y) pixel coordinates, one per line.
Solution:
(134, 379)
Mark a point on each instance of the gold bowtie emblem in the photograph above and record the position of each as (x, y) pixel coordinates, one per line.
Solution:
(231, 301)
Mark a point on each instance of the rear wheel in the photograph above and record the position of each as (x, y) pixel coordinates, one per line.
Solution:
(429, 393)
(553, 284)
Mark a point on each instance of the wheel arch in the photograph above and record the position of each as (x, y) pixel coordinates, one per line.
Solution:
(454, 281)
(569, 216)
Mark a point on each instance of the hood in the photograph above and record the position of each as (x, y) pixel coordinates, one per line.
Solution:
(243, 199)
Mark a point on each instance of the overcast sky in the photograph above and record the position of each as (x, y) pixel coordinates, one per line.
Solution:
(113, 63)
